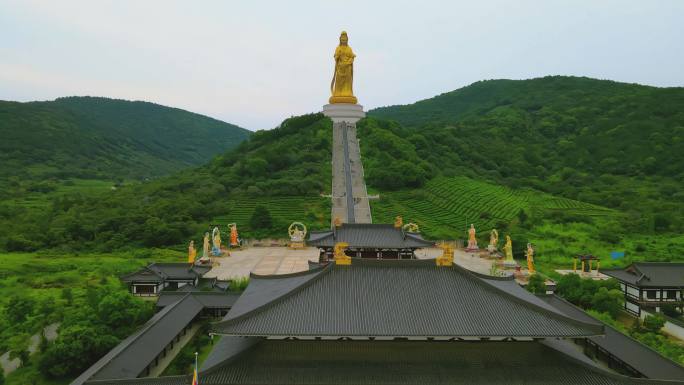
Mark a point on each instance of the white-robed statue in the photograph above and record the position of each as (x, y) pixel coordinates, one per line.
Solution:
(216, 242)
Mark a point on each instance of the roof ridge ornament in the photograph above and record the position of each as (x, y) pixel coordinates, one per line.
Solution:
(447, 257)
(340, 257)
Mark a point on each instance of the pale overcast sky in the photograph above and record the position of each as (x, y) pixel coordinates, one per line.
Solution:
(254, 63)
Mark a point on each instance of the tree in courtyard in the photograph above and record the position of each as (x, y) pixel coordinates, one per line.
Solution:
(653, 323)
(536, 284)
(568, 287)
(607, 301)
(261, 219)
(2, 377)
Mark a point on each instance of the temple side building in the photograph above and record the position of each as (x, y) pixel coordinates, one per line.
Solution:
(648, 286)
(153, 279)
(381, 241)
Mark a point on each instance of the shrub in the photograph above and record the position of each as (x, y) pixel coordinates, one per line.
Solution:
(261, 219)
(653, 323)
(536, 284)
(607, 301)
(239, 284)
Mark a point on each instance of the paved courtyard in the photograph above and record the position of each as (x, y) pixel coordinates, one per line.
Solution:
(283, 260)
(263, 261)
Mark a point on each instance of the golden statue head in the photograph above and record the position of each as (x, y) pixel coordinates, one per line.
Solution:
(344, 39)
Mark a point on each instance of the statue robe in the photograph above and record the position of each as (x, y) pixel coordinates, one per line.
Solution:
(344, 71)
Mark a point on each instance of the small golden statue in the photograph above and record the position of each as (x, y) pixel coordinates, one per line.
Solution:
(530, 259)
(472, 240)
(508, 252)
(493, 241)
(205, 246)
(341, 85)
(192, 253)
(398, 222)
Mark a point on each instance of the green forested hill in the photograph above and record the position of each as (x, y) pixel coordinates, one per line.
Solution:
(570, 173)
(614, 144)
(594, 126)
(100, 138)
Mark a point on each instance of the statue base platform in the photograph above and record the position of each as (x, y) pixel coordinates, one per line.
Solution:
(297, 245)
(510, 263)
(472, 249)
(343, 99)
(344, 112)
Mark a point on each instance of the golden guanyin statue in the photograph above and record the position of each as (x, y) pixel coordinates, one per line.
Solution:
(341, 85)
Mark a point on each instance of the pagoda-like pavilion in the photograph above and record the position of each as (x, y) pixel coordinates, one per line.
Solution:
(366, 240)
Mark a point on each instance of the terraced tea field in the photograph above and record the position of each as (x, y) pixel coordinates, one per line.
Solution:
(443, 208)
(446, 206)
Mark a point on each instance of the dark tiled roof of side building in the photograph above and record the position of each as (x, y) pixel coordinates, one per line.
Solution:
(650, 274)
(167, 271)
(635, 354)
(295, 362)
(392, 298)
(132, 355)
(360, 235)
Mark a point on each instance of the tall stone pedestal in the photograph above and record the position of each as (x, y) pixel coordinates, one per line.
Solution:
(349, 196)
(342, 112)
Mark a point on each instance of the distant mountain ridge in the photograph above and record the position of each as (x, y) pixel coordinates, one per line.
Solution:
(94, 137)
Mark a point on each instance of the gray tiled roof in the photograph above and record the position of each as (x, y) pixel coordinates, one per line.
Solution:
(170, 380)
(406, 362)
(395, 298)
(650, 274)
(360, 235)
(295, 362)
(208, 299)
(264, 289)
(635, 354)
(132, 355)
(226, 349)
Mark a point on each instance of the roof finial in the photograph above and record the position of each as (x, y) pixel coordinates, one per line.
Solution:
(340, 257)
(447, 257)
